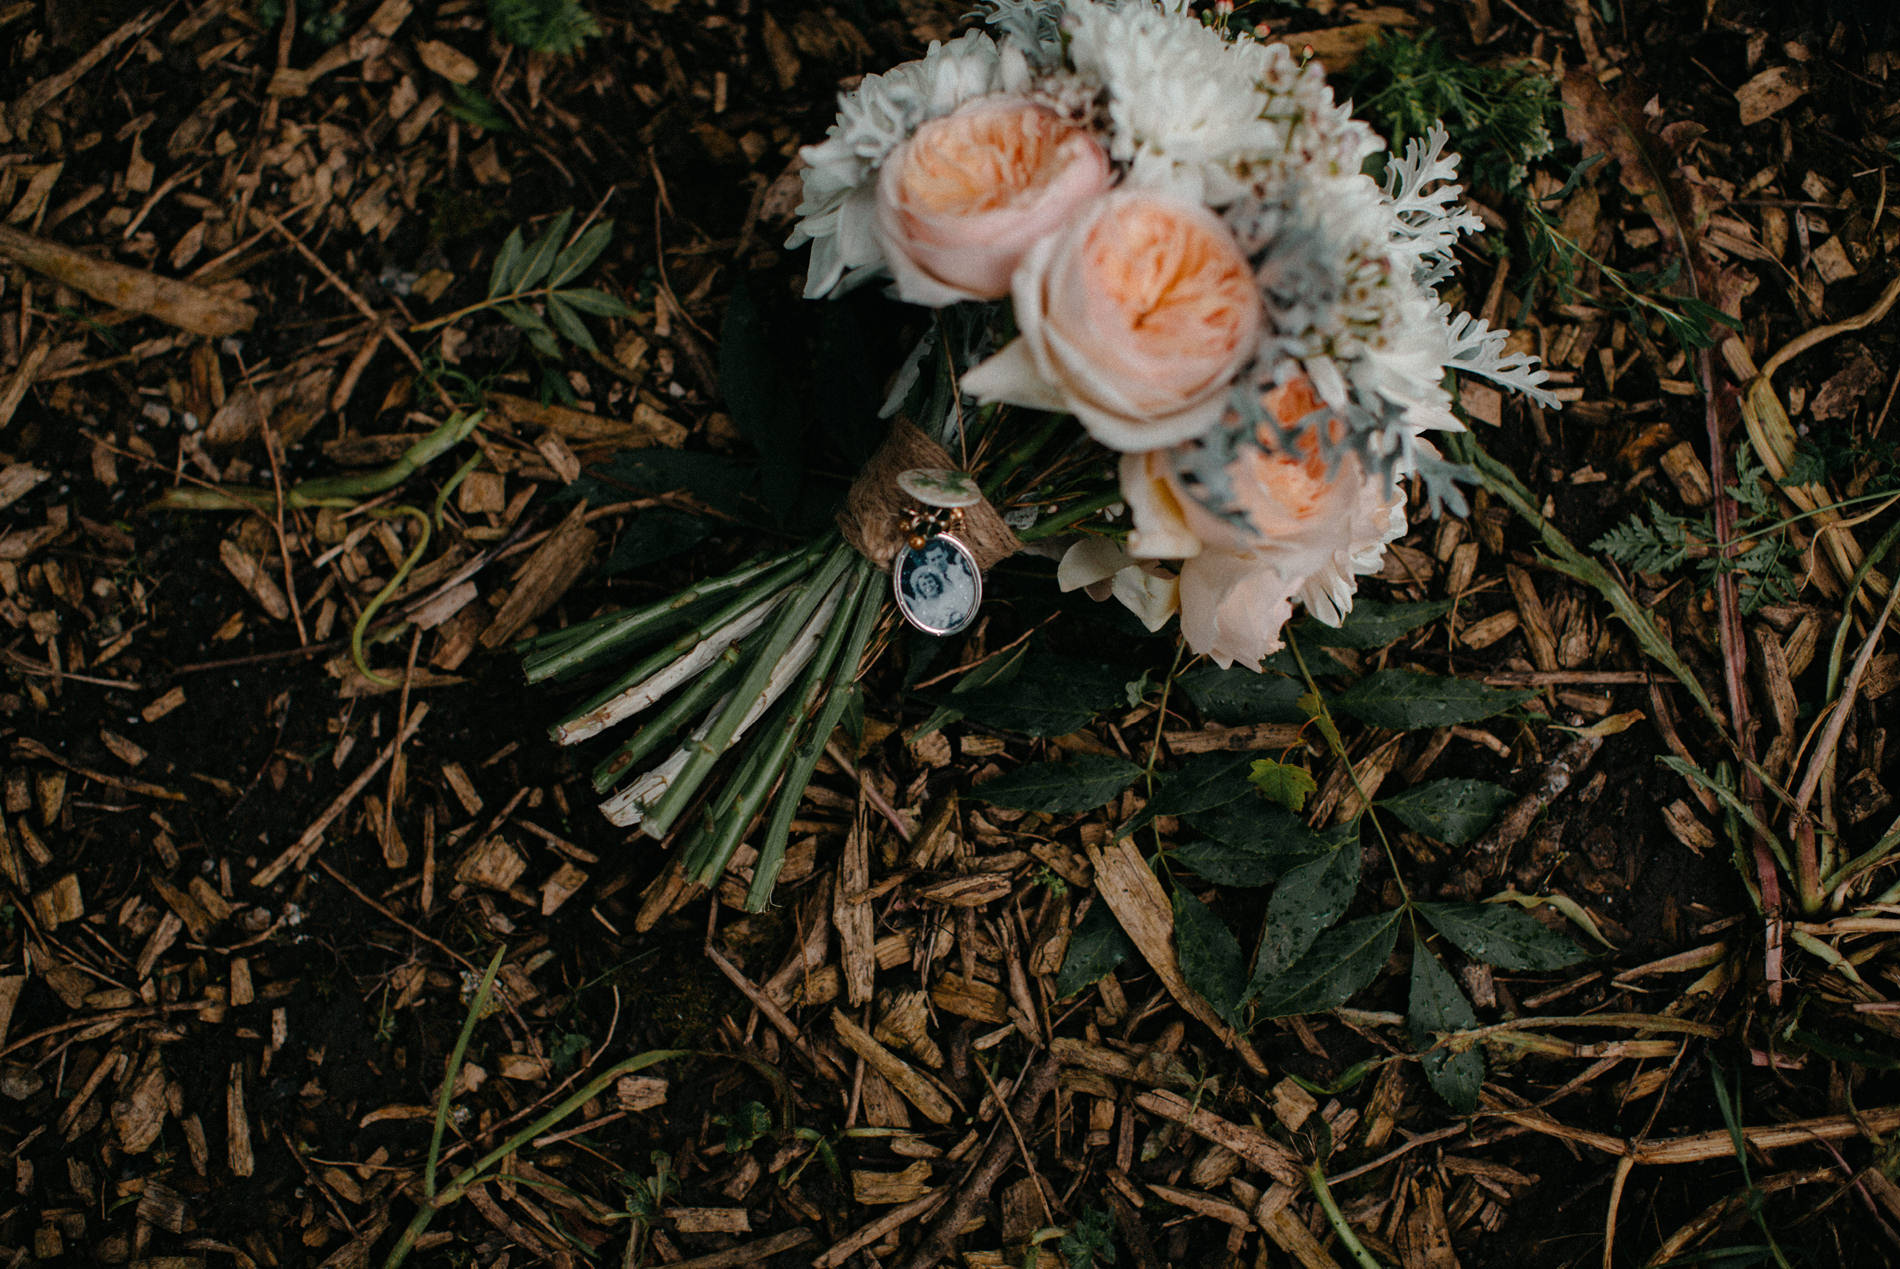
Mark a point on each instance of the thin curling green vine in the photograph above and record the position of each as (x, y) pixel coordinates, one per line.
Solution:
(382, 596)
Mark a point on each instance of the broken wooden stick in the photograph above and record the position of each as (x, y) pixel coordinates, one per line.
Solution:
(181, 304)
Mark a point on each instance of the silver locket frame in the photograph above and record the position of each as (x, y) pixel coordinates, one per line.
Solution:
(904, 602)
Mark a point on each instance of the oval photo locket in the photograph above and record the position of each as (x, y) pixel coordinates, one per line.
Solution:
(938, 586)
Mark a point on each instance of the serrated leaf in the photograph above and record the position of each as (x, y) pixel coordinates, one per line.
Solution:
(539, 259)
(1201, 783)
(1052, 696)
(1083, 783)
(1372, 624)
(1282, 783)
(506, 263)
(596, 303)
(1239, 695)
(1308, 900)
(1500, 935)
(1451, 811)
(1097, 945)
(1211, 959)
(1438, 1004)
(580, 253)
(569, 323)
(1258, 825)
(1405, 700)
(1341, 964)
(1227, 864)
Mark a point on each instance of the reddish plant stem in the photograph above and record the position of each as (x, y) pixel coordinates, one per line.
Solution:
(1721, 414)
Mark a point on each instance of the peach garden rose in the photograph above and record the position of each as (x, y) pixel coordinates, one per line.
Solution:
(1289, 532)
(1135, 319)
(960, 203)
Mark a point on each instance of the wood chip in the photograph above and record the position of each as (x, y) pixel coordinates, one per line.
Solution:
(555, 565)
(1248, 1142)
(917, 1088)
(181, 304)
(1140, 905)
(1770, 92)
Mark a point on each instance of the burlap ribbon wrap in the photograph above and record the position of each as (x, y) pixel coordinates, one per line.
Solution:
(872, 518)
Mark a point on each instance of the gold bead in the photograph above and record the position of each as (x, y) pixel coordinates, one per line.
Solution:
(917, 541)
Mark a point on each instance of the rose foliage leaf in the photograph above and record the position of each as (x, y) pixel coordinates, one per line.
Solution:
(1438, 1005)
(1405, 700)
(1083, 783)
(1501, 935)
(1451, 811)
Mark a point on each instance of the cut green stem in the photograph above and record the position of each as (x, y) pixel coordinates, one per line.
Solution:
(804, 762)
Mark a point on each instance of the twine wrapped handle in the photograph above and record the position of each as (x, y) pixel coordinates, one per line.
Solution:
(872, 518)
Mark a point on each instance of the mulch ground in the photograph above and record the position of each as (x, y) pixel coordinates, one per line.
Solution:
(249, 891)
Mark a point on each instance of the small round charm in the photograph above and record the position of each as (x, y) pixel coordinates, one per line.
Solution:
(940, 487)
(937, 585)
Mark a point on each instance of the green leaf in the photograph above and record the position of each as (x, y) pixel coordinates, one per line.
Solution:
(1315, 709)
(1308, 899)
(1501, 935)
(543, 342)
(569, 323)
(1248, 844)
(1451, 811)
(1282, 782)
(1052, 696)
(1438, 1004)
(506, 263)
(539, 260)
(1405, 700)
(1083, 783)
(1372, 624)
(1226, 864)
(1096, 946)
(524, 317)
(580, 253)
(595, 302)
(1201, 783)
(1211, 959)
(1240, 695)
(656, 534)
(722, 483)
(1342, 963)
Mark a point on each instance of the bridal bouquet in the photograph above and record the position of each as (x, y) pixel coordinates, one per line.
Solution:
(1178, 336)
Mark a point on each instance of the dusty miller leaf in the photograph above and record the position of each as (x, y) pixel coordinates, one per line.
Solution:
(1451, 811)
(1500, 935)
(1438, 1004)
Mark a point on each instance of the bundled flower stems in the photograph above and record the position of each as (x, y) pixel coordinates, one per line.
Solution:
(1194, 350)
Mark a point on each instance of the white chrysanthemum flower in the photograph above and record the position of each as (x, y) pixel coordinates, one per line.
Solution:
(1184, 104)
(838, 210)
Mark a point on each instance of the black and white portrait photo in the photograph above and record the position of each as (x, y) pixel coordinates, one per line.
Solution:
(937, 586)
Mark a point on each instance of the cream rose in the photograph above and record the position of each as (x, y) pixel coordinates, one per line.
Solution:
(1285, 531)
(960, 203)
(1135, 320)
